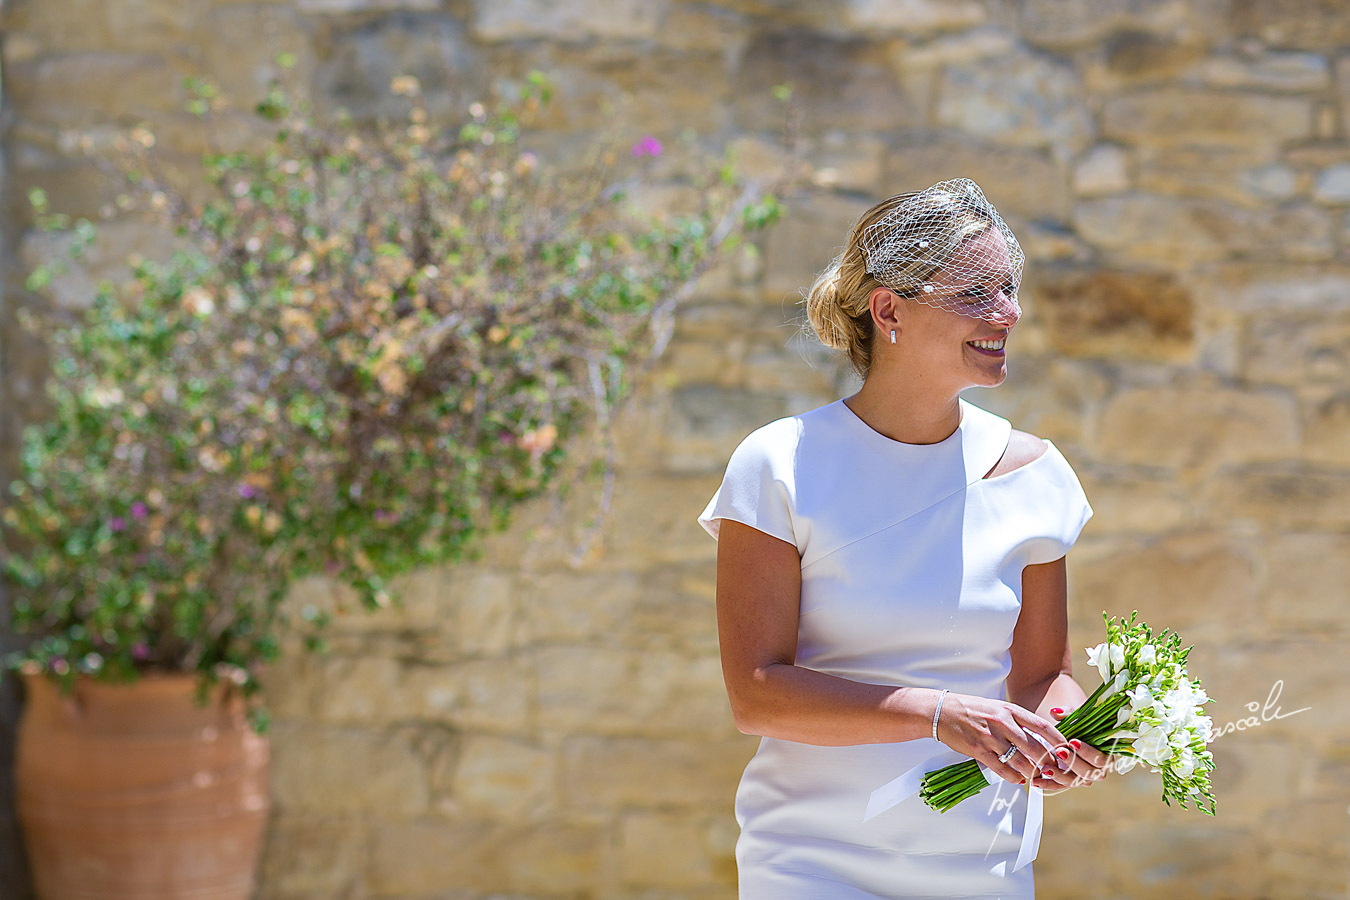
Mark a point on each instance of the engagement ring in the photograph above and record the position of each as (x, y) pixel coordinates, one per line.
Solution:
(1008, 754)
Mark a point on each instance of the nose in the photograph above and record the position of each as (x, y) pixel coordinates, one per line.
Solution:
(1005, 312)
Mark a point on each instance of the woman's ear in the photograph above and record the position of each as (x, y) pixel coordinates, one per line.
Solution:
(886, 311)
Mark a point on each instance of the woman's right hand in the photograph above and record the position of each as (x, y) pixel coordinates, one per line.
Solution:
(982, 729)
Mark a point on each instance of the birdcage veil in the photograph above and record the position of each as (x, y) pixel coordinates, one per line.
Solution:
(933, 247)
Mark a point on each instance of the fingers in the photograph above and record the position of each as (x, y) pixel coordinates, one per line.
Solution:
(1043, 727)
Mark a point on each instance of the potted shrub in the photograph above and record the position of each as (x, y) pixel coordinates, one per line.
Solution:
(369, 346)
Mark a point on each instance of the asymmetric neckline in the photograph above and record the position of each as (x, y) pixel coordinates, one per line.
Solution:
(881, 440)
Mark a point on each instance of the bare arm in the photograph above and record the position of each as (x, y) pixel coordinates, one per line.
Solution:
(1041, 677)
(758, 605)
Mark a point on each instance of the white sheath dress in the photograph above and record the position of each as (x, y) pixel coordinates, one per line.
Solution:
(911, 575)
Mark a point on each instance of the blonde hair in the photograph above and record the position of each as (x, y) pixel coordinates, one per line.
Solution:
(837, 305)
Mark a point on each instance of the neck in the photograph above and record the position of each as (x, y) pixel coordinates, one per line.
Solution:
(906, 410)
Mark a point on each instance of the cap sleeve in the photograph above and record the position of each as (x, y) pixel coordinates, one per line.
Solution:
(1066, 516)
(757, 489)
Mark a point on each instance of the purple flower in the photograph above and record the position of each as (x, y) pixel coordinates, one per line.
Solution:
(140, 651)
(117, 523)
(648, 146)
(138, 509)
(384, 517)
(331, 566)
(247, 491)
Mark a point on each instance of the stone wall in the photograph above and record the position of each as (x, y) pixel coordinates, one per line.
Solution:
(1179, 174)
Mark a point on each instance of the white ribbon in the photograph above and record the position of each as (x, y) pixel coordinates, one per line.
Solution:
(906, 785)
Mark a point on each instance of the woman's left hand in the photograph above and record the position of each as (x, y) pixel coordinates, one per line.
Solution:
(1084, 764)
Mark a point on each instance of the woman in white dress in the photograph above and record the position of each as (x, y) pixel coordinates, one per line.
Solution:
(890, 580)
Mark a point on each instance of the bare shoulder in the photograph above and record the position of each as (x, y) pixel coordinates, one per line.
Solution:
(1022, 449)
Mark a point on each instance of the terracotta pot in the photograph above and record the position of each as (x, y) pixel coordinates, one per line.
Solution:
(132, 792)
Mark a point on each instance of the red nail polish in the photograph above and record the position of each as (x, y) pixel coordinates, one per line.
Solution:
(1047, 772)
(1063, 754)
(1056, 710)
(1077, 744)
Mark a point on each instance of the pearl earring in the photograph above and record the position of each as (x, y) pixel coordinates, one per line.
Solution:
(892, 335)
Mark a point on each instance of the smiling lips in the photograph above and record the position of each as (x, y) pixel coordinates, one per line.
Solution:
(989, 346)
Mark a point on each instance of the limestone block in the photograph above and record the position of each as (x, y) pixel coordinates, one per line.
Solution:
(1181, 115)
(83, 89)
(1181, 231)
(1177, 582)
(1046, 395)
(912, 16)
(804, 365)
(621, 773)
(424, 857)
(358, 689)
(95, 25)
(1285, 497)
(707, 422)
(1189, 858)
(491, 694)
(674, 607)
(567, 606)
(689, 362)
(842, 82)
(619, 691)
(803, 244)
(670, 850)
(1052, 23)
(1133, 58)
(1300, 24)
(487, 618)
(510, 20)
(1271, 287)
(554, 857)
(1272, 71)
(1134, 504)
(1220, 172)
(1196, 427)
(348, 7)
(1333, 185)
(1019, 99)
(850, 162)
(702, 28)
(239, 46)
(502, 778)
(1297, 349)
(1104, 169)
(1270, 182)
(326, 769)
(1115, 313)
(1022, 183)
(1307, 575)
(1283, 688)
(1251, 774)
(1319, 873)
(1326, 430)
(289, 682)
(361, 59)
(312, 855)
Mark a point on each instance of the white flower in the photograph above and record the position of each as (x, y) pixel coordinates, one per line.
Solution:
(1125, 764)
(1140, 698)
(1148, 654)
(1121, 678)
(1185, 763)
(1117, 657)
(1152, 745)
(1100, 657)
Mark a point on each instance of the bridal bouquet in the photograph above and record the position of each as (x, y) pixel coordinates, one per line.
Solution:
(1147, 709)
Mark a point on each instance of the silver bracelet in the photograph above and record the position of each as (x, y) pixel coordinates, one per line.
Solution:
(937, 712)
